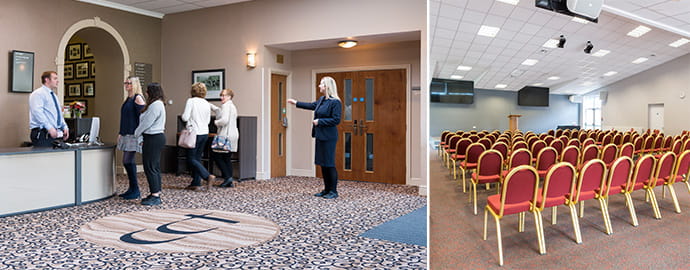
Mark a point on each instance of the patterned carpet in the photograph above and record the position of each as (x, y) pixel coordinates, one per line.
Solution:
(315, 233)
(455, 233)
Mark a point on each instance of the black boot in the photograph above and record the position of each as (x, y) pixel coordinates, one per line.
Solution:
(332, 183)
(326, 189)
(133, 190)
(227, 183)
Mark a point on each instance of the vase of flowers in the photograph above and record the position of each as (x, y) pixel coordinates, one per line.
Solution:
(76, 109)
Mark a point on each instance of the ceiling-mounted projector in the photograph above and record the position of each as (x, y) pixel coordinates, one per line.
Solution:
(585, 9)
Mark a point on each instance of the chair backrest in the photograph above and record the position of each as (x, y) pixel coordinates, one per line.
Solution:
(609, 153)
(668, 142)
(550, 132)
(559, 181)
(549, 139)
(564, 139)
(443, 135)
(626, 138)
(582, 137)
(665, 166)
(658, 143)
(473, 152)
(519, 145)
(627, 150)
(618, 139)
(677, 147)
(587, 142)
(592, 175)
(619, 175)
(571, 155)
(519, 187)
(559, 132)
(531, 141)
(461, 148)
(501, 147)
(474, 138)
(543, 136)
(490, 162)
(574, 142)
(644, 170)
(682, 166)
(486, 142)
(590, 152)
(648, 144)
(607, 139)
(519, 157)
(546, 158)
(453, 142)
(537, 146)
(557, 145)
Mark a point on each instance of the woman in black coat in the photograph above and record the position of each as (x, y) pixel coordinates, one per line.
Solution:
(327, 110)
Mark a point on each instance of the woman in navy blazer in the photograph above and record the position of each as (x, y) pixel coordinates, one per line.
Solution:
(327, 111)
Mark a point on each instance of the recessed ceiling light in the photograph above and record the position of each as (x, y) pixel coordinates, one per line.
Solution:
(488, 31)
(639, 31)
(580, 20)
(464, 68)
(601, 53)
(551, 43)
(457, 77)
(538, 84)
(553, 78)
(512, 2)
(530, 62)
(610, 73)
(500, 86)
(639, 60)
(679, 42)
(347, 43)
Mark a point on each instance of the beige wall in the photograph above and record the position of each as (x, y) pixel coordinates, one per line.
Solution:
(38, 26)
(307, 62)
(220, 37)
(627, 103)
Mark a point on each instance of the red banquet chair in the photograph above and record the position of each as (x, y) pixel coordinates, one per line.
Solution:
(571, 154)
(588, 153)
(545, 159)
(518, 192)
(644, 170)
(559, 183)
(518, 157)
(459, 154)
(470, 162)
(662, 174)
(488, 171)
(609, 154)
(591, 177)
(618, 176)
(682, 171)
(627, 150)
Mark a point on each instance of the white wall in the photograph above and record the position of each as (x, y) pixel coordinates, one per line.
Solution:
(628, 99)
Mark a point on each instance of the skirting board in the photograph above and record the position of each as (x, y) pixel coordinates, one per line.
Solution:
(302, 172)
(422, 190)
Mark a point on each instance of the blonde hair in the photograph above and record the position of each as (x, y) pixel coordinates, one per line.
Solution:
(331, 87)
(228, 92)
(136, 85)
(199, 90)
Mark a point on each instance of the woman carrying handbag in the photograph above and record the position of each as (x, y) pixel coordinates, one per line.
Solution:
(227, 137)
(197, 114)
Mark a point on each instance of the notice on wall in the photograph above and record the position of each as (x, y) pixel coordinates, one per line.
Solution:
(145, 73)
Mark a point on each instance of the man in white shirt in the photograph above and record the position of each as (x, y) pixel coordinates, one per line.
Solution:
(45, 114)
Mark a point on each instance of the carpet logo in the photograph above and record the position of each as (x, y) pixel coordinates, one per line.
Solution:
(179, 230)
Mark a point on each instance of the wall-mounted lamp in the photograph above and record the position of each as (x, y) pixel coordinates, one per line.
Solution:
(251, 60)
(347, 43)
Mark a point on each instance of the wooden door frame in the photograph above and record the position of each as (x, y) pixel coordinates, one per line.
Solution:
(408, 133)
(288, 132)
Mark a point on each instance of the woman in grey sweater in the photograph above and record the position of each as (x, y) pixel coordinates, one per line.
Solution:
(152, 127)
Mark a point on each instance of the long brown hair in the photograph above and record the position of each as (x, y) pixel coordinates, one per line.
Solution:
(154, 92)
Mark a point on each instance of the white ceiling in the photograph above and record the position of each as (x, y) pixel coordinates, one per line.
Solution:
(158, 8)
(524, 28)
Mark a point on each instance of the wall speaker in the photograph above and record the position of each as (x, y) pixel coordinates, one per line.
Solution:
(603, 95)
(575, 99)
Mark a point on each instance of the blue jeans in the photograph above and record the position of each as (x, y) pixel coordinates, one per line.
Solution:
(194, 160)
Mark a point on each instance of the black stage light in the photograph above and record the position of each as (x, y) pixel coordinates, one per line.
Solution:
(589, 47)
(561, 42)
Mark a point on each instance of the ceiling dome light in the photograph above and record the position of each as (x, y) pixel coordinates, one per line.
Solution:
(347, 43)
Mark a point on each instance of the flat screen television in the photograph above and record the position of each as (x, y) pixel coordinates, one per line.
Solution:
(451, 91)
(533, 96)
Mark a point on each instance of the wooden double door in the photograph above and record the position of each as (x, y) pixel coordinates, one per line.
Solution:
(371, 140)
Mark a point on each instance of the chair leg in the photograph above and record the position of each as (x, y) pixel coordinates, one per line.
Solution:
(631, 208)
(655, 204)
(582, 209)
(554, 215)
(663, 192)
(576, 223)
(521, 222)
(605, 215)
(488, 186)
(474, 196)
(463, 172)
(455, 177)
(486, 212)
(538, 223)
(500, 244)
(674, 197)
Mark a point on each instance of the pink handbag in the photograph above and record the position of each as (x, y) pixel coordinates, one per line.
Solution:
(187, 138)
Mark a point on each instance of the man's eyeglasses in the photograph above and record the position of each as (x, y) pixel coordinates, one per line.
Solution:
(126, 83)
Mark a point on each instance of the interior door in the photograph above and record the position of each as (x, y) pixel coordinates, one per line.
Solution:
(278, 124)
(371, 143)
(656, 117)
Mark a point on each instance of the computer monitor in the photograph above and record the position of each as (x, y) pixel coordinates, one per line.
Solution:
(95, 127)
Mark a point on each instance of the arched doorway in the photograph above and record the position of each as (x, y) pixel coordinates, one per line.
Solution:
(112, 55)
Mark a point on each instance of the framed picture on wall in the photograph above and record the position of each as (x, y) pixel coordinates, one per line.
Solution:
(74, 51)
(74, 90)
(69, 71)
(89, 88)
(21, 72)
(214, 79)
(82, 70)
(87, 51)
(93, 69)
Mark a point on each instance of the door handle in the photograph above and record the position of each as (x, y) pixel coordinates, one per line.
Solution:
(362, 126)
(354, 127)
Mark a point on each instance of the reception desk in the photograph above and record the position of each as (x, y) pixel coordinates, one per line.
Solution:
(37, 179)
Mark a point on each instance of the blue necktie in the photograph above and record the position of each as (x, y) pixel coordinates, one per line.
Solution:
(57, 108)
